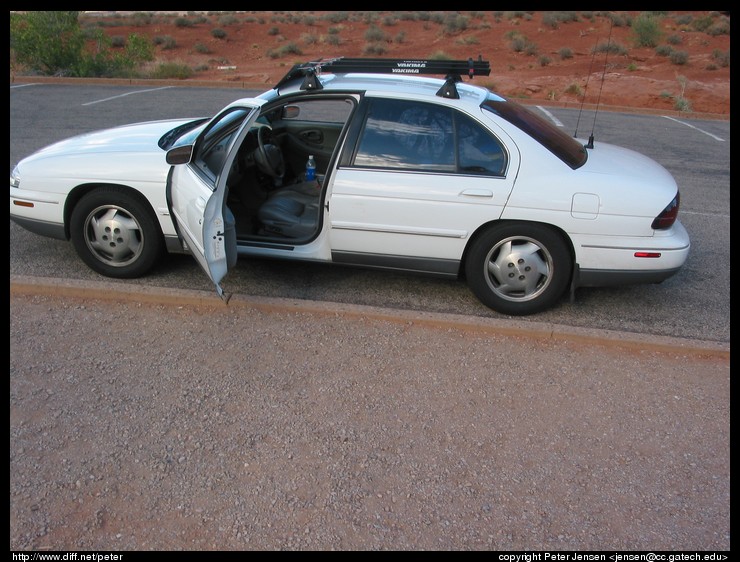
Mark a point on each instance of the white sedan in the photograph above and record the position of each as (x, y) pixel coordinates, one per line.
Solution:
(421, 174)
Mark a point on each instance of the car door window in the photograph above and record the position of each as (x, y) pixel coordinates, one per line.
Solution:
(479, 152)
(213, 146)
(407, 135)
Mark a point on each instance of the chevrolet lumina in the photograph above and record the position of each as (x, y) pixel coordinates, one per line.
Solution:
(414, 172)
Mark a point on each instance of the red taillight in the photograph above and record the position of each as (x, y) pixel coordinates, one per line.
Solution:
(669, 214)
(647, 254)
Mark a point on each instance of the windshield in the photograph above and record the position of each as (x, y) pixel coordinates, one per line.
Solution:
(565, 147)
(183, 134)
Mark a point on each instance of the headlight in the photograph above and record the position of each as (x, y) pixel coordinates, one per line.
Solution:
(15, 178)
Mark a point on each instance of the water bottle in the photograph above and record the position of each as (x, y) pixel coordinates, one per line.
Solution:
(310, 169)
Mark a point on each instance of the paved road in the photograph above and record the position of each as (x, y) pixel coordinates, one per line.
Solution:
(150, 418)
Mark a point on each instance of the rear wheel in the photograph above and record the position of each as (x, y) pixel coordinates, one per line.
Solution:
(518, 268)
(115, 234)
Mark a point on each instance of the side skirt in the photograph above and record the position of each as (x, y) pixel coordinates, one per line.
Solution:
(428, 266)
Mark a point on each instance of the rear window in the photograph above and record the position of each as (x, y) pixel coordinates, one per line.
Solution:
(562, 145)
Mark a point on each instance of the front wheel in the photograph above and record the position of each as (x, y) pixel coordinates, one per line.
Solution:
(518, 268)
(115, 234)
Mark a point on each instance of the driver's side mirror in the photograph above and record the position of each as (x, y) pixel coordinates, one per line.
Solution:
(180, 155)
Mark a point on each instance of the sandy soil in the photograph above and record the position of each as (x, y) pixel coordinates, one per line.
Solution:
(641, 78)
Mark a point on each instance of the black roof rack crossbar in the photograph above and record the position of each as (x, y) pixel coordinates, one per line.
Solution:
(452, 69)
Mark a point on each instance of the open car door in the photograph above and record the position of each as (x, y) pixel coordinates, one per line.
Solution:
(197, 188)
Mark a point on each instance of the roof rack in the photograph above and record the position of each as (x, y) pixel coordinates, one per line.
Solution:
(452, 69)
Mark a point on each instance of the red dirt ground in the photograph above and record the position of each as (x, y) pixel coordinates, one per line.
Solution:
(639, 79)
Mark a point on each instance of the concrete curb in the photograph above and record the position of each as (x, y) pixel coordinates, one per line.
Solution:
(120, 292)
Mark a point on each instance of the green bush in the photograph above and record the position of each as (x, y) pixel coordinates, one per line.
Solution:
(646, 30)
(374, 33)
(679, 57)
(165, 42)
(565, 53)
(722, 58)
(174, 70)
(374, 49)
(184, 22)
(53, 43)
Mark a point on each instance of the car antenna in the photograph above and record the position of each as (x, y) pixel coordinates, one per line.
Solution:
(590, 143)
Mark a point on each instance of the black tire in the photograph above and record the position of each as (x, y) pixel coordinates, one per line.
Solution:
(116, 234)
(519, 268)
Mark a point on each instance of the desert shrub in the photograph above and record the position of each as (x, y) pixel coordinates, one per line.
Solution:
(439, 55)
(520, 44)
(228, 19)
(702, 23)
(273, 31)
(574, 89)
(309, 38)
(218, 33)
(374, 49)
(374, 33)
(287, 49)
(468, 40)
(336, 17)
(455, 23)
(400, 37)
(544, 60)
(531, 49)
(619, 20)
(646, 30)
(722, 58)
(674, 39)
(565, 53)
(165, 41)
(679, 57)
(183, 22)
(333, 39)
(53, 43)
(663, 50)
(201, 48)
(721, 27)
(554, 19)
(172, 70)
(117, 41)
(141, 18)
(610, 47)
(681, 104)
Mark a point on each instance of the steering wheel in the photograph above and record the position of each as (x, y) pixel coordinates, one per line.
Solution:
(269, 157)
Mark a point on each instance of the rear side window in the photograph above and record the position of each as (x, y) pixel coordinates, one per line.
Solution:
(408, 135)
(565, 147)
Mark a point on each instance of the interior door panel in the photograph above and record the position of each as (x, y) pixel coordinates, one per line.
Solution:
(302, 138)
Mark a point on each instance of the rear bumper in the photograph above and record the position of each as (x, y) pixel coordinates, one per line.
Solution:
(610, 277)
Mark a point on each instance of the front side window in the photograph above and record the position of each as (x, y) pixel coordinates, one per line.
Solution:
(408, 135)
(212, 147)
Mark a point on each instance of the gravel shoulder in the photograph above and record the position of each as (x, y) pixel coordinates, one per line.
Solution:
(137, 424)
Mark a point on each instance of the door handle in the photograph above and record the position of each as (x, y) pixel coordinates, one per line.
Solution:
(312, 136)
(477, 193)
